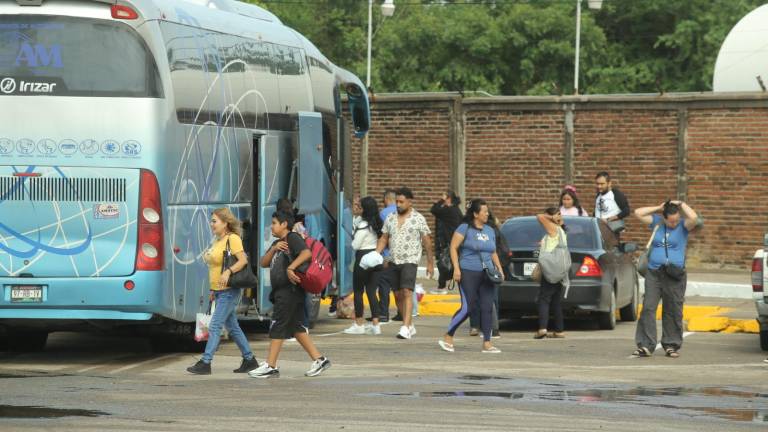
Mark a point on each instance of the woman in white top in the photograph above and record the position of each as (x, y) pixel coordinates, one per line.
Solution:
(367, 230)
(551, 294)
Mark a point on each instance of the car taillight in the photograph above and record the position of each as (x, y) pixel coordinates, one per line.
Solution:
(589, 268)
(757, 275)
(149, 253)
(124, 12)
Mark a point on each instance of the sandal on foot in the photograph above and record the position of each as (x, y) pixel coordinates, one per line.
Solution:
(445, 346)
(491, 350)
(672, 353)
(641, 352)
(540, 335)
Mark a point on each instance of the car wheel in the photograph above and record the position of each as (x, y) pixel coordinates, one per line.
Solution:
(607, 320)
(629, 312)
(26, 341)
(764, 340)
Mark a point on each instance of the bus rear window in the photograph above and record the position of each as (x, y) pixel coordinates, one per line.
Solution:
(66, 56)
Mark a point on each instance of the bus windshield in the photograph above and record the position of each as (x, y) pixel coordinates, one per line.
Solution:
(67, 56)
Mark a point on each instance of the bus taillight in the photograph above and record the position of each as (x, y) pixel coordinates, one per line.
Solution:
(123, 12)
(149, 254)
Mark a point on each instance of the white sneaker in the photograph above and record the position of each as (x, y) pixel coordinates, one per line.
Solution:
(439, 291)
(264, 371)
(404, 333)
(412, 330)
(355, 329)
(318, 366)
(373, 329)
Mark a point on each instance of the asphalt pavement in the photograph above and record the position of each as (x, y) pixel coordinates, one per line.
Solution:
(586, 381)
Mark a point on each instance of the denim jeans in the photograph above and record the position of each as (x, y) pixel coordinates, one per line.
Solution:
(225, 315)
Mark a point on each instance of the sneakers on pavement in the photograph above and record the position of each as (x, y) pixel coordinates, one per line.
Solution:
(495, 334)
(373, 329)
(200, 368)
(397, 317)
(446, 346)
(355, 329)
(474, 332)
(247, 365)
(404, 333)
(318, 366)
(412, 330)
(439, 291)
(264, 371)
(491, 350)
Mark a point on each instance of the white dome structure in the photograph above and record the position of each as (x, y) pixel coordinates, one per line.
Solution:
(744, 55)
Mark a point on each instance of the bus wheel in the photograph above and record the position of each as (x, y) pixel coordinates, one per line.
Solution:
(26, 341)
(176, 342)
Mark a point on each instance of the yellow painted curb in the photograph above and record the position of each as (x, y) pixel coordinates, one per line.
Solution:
(698, 318)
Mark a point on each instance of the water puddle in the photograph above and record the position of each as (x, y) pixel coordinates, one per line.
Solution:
(482, 378)
(461, 394)
(37, 412)
(724, 403)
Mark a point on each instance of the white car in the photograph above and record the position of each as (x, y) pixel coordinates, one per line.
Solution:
(759, 282)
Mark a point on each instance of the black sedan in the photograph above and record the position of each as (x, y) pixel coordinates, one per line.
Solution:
(603, 274)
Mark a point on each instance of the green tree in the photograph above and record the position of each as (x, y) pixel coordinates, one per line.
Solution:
(522, 46)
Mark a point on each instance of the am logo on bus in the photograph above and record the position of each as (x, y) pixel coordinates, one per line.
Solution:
(39, 56)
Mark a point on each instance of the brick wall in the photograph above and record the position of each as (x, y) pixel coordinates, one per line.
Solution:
(514, 160)
(519, 151)
(728, 170)
(407, 147)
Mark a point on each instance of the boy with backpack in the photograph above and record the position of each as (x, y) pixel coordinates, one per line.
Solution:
(286, 258)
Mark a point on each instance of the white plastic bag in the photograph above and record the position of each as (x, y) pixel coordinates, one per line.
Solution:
(202, 322)
(419, 290)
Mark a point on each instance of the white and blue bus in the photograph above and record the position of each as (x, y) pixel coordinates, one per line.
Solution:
(124, 124)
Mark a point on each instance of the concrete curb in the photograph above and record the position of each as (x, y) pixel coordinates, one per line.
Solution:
(698, 318)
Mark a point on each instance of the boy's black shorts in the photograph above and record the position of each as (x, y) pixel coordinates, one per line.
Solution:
(287, 312)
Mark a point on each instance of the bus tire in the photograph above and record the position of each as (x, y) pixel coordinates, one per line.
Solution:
(26, 341)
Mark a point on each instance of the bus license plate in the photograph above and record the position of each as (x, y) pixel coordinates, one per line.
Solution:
(26, 294)
(528, 268)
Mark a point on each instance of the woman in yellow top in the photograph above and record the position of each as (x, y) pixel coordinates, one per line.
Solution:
(226, 229)
(551, 294)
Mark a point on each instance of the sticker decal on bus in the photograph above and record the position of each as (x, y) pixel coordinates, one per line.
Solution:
(31, 86)
(106, 211)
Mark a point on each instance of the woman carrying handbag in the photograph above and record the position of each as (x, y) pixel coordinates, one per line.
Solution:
(476, 267)
(665, 276)
(551, 287)
(225, 258)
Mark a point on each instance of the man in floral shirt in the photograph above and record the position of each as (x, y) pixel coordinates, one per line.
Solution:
(407, 235)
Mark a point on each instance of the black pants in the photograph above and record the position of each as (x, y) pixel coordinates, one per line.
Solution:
(551, 300)
(384, 283)
(444, 275)
(365, 280)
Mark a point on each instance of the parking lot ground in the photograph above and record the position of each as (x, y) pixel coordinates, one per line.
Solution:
(379, 383)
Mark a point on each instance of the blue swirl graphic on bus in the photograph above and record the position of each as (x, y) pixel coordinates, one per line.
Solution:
(38, 245)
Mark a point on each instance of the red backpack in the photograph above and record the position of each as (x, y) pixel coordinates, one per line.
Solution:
(320, 270)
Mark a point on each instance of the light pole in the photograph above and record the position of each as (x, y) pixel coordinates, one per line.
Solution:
(593, 4)
(387, 10)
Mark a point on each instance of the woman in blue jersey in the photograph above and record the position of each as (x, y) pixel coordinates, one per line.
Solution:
(473, 251)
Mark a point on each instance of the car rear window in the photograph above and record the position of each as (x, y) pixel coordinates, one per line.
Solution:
(527, 233)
